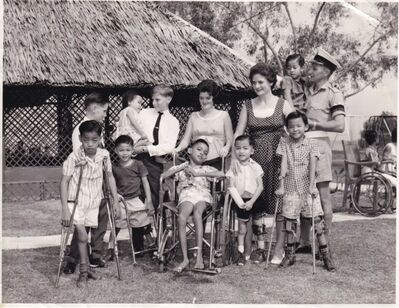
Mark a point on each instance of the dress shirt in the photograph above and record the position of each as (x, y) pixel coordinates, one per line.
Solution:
(168, 131)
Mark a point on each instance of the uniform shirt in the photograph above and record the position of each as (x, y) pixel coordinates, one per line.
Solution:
(246, 179)
(128, 179)
(76, 143)
(168, 131)
(90, 192)
(324, 104)
(297, 90)
(298, 156)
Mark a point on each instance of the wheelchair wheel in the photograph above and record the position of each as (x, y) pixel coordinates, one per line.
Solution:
(371, 195)
(227, 236)
(167, 246)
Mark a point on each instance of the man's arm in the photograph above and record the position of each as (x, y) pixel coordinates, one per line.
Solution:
(336, 125)
(75, 139)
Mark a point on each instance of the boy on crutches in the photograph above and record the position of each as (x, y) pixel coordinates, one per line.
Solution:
(298, 189)
(91, 158)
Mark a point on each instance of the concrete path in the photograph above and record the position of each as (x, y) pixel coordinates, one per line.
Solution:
(32, 242)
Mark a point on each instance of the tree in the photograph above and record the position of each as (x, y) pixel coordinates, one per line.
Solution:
(269, 31)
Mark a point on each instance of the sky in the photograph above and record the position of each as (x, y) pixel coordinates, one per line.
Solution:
(361, 22)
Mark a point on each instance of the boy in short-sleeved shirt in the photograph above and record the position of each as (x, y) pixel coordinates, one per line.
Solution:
(297, 187)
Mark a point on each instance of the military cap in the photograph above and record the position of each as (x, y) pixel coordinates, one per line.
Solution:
(322, 57)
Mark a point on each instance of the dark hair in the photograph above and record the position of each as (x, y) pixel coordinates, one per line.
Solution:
(199, 140)
(164, 90)
(296, 115)
(95, 98)
(209, 86)
(394, 135)
(370, 136)
(295, 56)
(123, 139)
(89, 127)
(265, 70)
(251, 141)
(128, 96)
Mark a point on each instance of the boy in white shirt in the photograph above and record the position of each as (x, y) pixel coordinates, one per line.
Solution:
(245, 188)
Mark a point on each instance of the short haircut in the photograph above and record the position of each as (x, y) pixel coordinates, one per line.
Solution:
(163, 90)
(295, 56)
(394, 135)
(199, 140)
(209, 86)
(128, 96)
(265, 70)
(123, 139)
(370, 136)
(251, 141)
(296, 115)
(89, 127)
(95, 98)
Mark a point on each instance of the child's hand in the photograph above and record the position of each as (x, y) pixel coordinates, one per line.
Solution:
(120, 197)
(65, 217)
(190, 171)
(313, 191)
(279, 192)
(117, 210)
(150, 207)
(248, 205)
(224, 151)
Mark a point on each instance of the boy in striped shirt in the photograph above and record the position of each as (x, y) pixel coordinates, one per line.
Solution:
(91, 158)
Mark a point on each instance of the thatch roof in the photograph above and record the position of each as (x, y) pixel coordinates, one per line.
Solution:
(111, 44)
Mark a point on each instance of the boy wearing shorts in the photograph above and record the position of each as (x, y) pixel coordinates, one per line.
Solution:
(245, 188)
(89, 160)
(297, 187)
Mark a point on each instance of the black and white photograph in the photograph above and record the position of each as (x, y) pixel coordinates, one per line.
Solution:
(199, 152)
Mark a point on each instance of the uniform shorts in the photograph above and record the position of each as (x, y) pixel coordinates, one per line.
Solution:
(295, 206)
(137, 211)
(84, 215)
(255, 212)
(323, 165)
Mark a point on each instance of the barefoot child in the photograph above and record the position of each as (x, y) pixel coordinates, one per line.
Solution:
(297, 186)
(245, 187)
(129, 175)
(91, 157)
(193, 189)
(129, 122)
(294, 84)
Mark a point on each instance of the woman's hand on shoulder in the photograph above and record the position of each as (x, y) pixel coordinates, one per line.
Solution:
(224, 151)
(235, 166)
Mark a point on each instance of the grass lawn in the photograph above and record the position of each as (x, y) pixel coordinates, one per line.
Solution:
(30, 218)
(366, 275)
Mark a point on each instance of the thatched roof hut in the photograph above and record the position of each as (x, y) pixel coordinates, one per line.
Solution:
(57, 51)
(111, 44)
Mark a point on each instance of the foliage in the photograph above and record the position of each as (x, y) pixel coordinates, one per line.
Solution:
(268, 31)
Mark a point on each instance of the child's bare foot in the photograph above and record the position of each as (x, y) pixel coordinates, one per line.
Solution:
(181, 267)
(199, 264)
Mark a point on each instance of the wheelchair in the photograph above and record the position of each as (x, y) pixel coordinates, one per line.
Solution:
(373, 194)
(167, 235)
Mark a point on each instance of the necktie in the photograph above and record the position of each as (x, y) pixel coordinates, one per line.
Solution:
(155, 132)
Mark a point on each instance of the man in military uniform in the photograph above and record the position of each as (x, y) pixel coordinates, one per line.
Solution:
(326, 113)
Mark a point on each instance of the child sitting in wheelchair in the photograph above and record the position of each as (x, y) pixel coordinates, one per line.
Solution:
(371, 155)
(194, 194)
